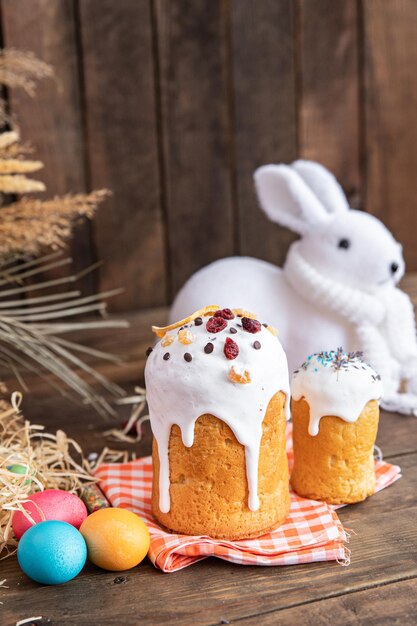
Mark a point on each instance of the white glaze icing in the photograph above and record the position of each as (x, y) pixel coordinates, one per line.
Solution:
(178, 392)
(335, 383)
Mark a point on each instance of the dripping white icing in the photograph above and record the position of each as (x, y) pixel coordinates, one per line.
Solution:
(335, 383)
(178, 392)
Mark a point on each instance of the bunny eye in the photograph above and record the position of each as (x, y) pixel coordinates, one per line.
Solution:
(344, 243)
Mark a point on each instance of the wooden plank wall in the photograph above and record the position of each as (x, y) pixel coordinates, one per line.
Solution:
(173, 103)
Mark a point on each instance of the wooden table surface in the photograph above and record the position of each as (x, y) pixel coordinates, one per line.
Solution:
(378, 587)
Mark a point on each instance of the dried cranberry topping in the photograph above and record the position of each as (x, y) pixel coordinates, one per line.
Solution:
(231, 349)
(216, 324)
(226, 314)
(251, 326)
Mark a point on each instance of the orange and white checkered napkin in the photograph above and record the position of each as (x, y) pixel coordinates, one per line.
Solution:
(312, 531)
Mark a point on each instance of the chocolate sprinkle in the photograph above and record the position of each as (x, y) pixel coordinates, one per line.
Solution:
(266, 325)
(167, 356)
(233, 330)
(257, 345)
(148, 351)
(188, 357)
(208, 348)
(198, 321)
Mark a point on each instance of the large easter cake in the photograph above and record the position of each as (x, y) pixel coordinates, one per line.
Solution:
(218, 395)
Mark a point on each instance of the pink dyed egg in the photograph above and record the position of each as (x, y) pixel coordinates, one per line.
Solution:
(55, 505)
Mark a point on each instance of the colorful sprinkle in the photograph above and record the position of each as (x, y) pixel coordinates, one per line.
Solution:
(336, 359)
(188, 357)
(208, 348)
(167, 356)
(233, 330)
(257, 345)
(198, 321)
(149, 350)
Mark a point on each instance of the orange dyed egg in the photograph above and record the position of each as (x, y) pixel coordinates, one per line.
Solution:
(116, 539)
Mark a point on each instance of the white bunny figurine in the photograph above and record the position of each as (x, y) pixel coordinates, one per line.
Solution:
(337, 286)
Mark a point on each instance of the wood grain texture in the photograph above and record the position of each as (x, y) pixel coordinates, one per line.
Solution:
(52, 121)
(390, 58)
(122, 142)
(264, 113)
(328, 85)
(394, 603)
(196, 129)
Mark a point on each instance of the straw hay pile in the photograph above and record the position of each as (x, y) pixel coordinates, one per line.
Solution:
(52, 461)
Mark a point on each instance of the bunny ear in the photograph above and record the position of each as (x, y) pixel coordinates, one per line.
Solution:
(323, 184)
(287, 200)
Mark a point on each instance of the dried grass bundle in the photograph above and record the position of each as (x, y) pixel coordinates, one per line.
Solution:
(51, 462)
(31, 328)
(31, 225)
(31, 331)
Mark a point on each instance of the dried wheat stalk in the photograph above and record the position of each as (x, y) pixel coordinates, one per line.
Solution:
(11, 147)
(32, 225)
(14, 166)
(19, 68)
(18, 166)
(20, 184)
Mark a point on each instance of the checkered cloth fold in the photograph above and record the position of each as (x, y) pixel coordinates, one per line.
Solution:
(312, 531)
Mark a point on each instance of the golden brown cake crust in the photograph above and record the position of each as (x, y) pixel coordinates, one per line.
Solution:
(337, 465)
(208, 484)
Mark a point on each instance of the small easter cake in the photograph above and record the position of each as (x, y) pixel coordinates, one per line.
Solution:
(218, 393)
(335, 413)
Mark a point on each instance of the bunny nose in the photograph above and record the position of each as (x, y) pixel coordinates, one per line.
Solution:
(394, 267)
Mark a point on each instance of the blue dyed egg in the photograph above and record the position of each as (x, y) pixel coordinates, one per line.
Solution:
(52, 552)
